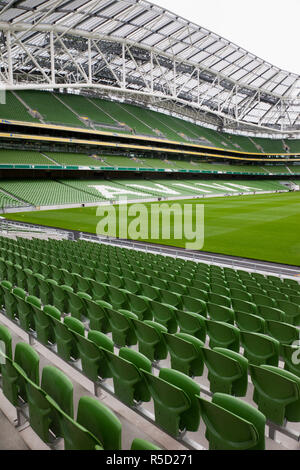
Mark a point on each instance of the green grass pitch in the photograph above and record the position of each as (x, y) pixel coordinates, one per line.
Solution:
(264, 227)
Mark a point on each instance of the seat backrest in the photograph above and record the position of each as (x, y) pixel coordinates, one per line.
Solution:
(190, 419)
(283, 332)
(220, 313)
(186, 353)
(170, 402)
(227, 371)
(100, 421)
(129, 384)
(232, 424)
(28, 359)
(74, 324)
(250, 322)
(142, 444)
(277, 393)
(57, 385)
(260, 348)
(76, 437)
(223, 335)
(5, 342)
(101, 339)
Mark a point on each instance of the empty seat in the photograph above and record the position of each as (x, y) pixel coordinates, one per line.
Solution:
(186, 353)
(292, 311)
(232, 424)
(220, 313)
(283, 332)
(259, 348)
(276, 392)
(227, 371)
(175, 403)
(122, 328)
(150, 339)
(100, 421)
(192, 324)
(250, 322)
(223, 335)
(129, 383)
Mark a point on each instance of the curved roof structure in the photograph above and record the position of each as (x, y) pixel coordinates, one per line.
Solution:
(139, 49)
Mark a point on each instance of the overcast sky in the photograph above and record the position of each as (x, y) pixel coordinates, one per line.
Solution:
(270, 29)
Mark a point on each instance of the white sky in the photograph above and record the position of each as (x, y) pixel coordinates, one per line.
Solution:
(270, 29)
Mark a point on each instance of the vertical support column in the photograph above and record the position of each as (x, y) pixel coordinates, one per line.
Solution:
(198, 87)
(9, 58)
(281, 114)
(151, 71)
(174, 77)
(90, 61)
(123, 67)
(52, 58)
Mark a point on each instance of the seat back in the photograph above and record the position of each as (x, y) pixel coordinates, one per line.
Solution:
(100, 421)
(227, 371)
(259, 348)
(276, 392)
(186, 353)
(232, 424)
(150, 339)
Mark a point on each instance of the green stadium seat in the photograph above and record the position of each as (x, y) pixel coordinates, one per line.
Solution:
(219, 300)
(276, 392)
(232, 424)
(151, 340)
(192, 324)
(220, 313)
(165, 315)
(101, 422)
(283, 332)
(95, 311)
(142, 444)
(243, 306)
(66, 346)
(270, 313)
(186, 353)
(75, 436)
(291, 311)
(227, 371)
(58, 386)
(10, 301)
(193, 305)
(13, 384)
(260, 349)
(265, 300)
(122, 328)
(240, 295)
(174, 396)
(250, 322)
(139, 306)
(6, 345)
(223, 335)
(129, 384)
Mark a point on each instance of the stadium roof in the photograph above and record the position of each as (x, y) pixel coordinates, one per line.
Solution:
(137, 47)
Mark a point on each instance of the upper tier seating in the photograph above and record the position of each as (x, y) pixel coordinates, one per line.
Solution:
(111, 116)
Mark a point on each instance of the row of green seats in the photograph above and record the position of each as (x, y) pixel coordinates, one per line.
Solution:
(164, 388)
(222, 297)
(153, 337)
(50, 403)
